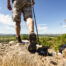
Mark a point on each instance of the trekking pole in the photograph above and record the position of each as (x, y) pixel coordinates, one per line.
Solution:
(35, 24)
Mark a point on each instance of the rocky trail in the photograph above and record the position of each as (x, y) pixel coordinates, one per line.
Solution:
(15, 54)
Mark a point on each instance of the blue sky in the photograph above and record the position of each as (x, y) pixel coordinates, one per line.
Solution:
(50, 16)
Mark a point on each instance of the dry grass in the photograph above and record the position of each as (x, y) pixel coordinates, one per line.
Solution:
(15, 60)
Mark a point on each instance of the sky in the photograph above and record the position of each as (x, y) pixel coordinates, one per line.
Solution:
(50, 17)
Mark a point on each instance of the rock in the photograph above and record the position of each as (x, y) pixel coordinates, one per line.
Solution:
(64, 53)
(60, 62)
(62, 47)
(23, 56)
(59, 54)
(17, 54)
(38, 46)
(64, 62)
(51, 51)
(25, 41)
(0, 60)
(0, 45)
(11, 42)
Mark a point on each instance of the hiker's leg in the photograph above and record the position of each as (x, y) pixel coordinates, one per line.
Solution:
(30, 25)
(32, 36)
(17, 19)
(27, 13)
(17, 29)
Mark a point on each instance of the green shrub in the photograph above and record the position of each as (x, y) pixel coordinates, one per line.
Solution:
(51, 41)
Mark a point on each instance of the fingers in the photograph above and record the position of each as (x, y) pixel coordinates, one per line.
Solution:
(9, 7)
(33, 3)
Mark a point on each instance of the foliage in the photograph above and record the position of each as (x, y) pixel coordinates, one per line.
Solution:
(24, 37)
(51, 41)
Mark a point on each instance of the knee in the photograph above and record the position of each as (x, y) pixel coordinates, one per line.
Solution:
(29, 20)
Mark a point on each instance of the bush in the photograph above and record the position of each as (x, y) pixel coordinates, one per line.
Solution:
(53, 42)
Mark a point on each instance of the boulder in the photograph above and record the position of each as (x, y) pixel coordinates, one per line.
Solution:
(64, 53)
(17, 54)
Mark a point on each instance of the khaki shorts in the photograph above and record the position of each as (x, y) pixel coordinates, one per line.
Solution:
(18, 9)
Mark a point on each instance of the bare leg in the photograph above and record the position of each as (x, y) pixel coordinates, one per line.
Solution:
(17, 29)
(32, 36)
(30, 25)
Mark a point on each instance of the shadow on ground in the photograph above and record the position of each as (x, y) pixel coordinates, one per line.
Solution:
(43, 51)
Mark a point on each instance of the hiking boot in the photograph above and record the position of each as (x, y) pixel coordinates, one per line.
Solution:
(32, 46)
(19, 39)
